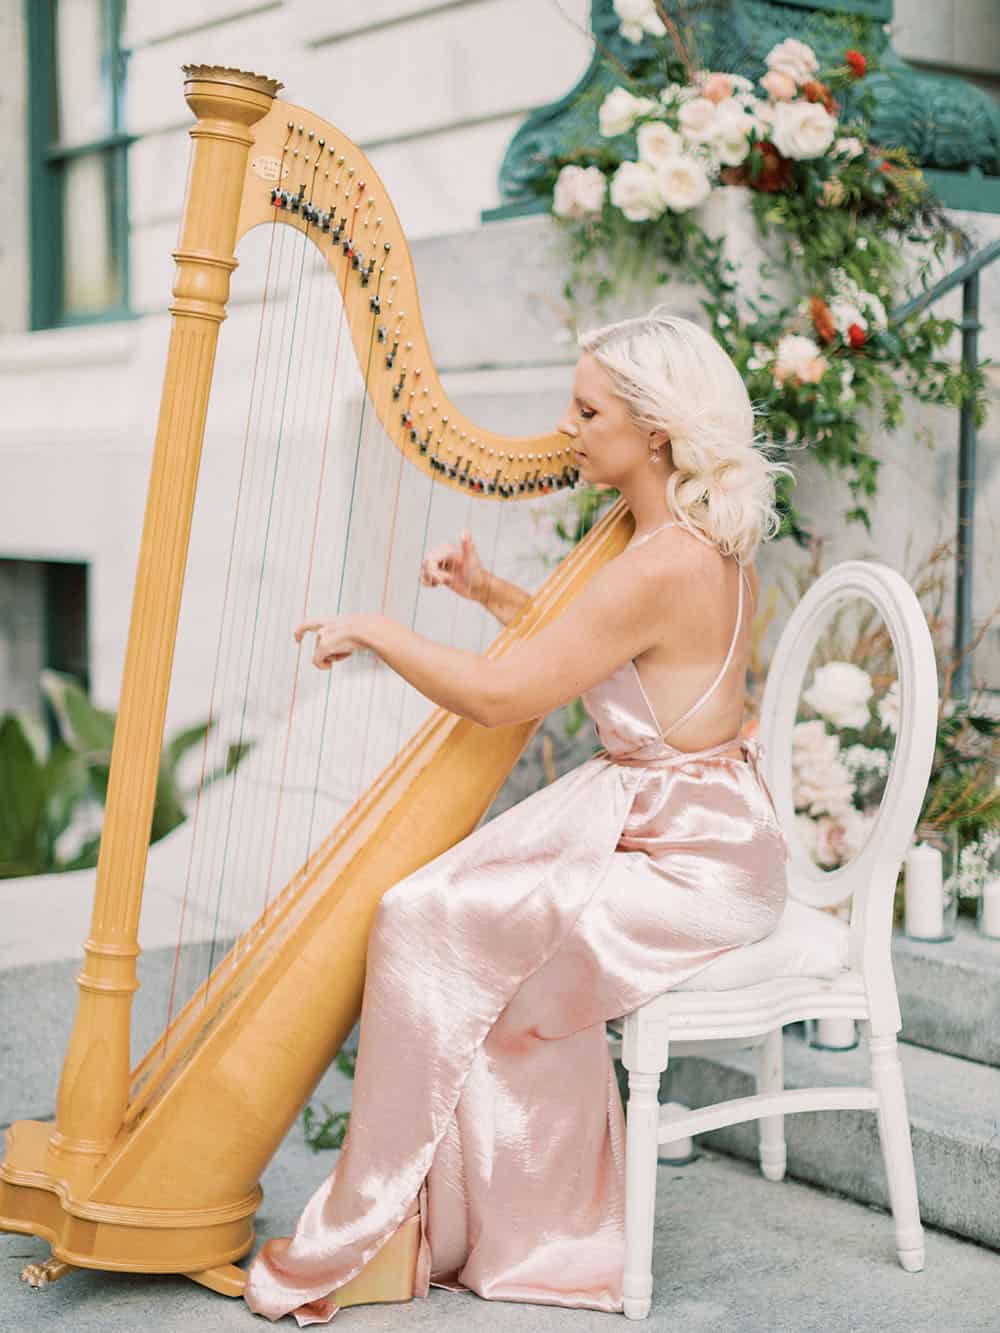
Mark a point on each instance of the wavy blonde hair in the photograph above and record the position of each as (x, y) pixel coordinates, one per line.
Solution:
(673, 376)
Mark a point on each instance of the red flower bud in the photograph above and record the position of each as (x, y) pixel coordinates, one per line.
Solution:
(856, 335)
(857, 63)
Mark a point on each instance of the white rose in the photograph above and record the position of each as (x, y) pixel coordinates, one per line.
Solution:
(822, 789)
(812, 743)
(657, 141)
(874, 309)
(865, 758)
(888, 707)
(794, 58)
(620, 110)
(637, 17)
(795, 352)
(763, 114)
(579, 192)
(730, 133)
(697, 118)
(634, 189)
(802, 129)
(844, 314)
(683, 182)
(847, 147)
(840, 692)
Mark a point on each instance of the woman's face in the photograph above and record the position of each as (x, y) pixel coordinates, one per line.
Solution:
(609, 446)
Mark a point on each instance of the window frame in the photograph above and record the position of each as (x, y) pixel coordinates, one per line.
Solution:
(46, 158)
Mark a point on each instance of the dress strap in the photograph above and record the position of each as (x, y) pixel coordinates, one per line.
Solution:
(646, 535)
(725, 666)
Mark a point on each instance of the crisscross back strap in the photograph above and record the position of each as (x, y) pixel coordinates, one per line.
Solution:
(722, 670)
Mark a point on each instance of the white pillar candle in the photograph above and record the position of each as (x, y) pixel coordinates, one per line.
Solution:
(837, 1033)
(923, 892)
(989, 920)
(676, 1150)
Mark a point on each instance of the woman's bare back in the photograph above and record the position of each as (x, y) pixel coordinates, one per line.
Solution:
(692, 647)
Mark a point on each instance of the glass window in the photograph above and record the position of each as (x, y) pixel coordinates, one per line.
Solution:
(78, 147)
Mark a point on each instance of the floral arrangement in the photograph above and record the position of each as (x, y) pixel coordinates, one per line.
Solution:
(843, 741)
(839, 206)
(976, 863)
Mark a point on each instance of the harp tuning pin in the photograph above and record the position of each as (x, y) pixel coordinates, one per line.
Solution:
(387, 245)
(291, 124)
(341, 160)
(301, 129)
(322, 143)
(550, 455)
(312, 134)
(409, 346)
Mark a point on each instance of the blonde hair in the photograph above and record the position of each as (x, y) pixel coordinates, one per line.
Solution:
(673, 376)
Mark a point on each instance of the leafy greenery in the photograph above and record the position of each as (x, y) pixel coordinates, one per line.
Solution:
(48, 786)
(328, 1130)
(827, 223)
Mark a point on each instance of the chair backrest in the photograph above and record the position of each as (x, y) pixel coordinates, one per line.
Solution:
(868, 882)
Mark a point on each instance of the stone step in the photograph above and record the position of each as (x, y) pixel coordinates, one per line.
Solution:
(954, 1109)
(949, 993)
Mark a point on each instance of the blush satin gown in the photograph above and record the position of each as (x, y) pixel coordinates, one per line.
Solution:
(484, 1094)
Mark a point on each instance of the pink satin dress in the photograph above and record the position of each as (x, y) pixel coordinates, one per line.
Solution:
(484, 1094)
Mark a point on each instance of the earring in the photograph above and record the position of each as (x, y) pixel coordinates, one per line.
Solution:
(654, 456)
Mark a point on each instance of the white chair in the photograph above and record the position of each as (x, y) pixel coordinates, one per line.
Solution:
(814, 965)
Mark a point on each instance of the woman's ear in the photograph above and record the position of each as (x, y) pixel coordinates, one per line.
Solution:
(659, 439)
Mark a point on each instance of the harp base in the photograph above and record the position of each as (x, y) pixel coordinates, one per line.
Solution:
(388, 1275)
(85, 1233)
(201, 1245)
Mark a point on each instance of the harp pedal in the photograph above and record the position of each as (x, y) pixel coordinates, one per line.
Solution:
(43, 1275)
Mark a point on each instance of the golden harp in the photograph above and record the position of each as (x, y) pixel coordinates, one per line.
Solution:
(156, 1168)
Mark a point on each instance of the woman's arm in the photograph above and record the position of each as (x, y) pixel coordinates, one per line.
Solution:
(503, 599)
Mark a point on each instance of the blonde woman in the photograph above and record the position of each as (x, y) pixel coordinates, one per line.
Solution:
(485, 1103)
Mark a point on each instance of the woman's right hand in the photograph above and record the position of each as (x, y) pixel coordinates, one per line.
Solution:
(455, 566)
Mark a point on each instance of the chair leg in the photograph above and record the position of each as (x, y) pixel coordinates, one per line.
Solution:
(771, 1078)
(897, 1149)
(644, 1054)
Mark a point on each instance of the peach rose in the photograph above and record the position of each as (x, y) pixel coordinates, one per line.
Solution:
(813, 371)
(717, 87)
(779, 87)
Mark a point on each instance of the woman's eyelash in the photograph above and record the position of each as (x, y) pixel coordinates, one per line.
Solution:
(587, 413)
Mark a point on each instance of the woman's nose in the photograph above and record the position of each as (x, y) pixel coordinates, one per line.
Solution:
(566, 427)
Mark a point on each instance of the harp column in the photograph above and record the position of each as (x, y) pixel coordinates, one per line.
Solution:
(94, 1087)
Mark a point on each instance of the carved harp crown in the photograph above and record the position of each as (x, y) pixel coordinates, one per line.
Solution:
(156, 1168)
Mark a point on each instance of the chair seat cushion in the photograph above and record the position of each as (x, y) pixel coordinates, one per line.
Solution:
(806, 942)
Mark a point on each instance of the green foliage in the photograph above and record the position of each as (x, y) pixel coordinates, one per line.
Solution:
(817, 239)
(46, 787)
(325, 1132)
(328, 1130)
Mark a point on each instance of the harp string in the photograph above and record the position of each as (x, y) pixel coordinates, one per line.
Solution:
(265, 317)
(293, 385)
(278, 611)
(307, 585)
(347, 539)
(257, 609)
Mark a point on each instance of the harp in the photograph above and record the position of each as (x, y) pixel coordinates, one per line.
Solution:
(156, 1168)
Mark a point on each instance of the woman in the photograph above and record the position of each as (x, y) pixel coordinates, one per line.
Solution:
(485, 1108)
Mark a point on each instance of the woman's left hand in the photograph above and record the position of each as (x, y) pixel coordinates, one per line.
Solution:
(336, 638)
